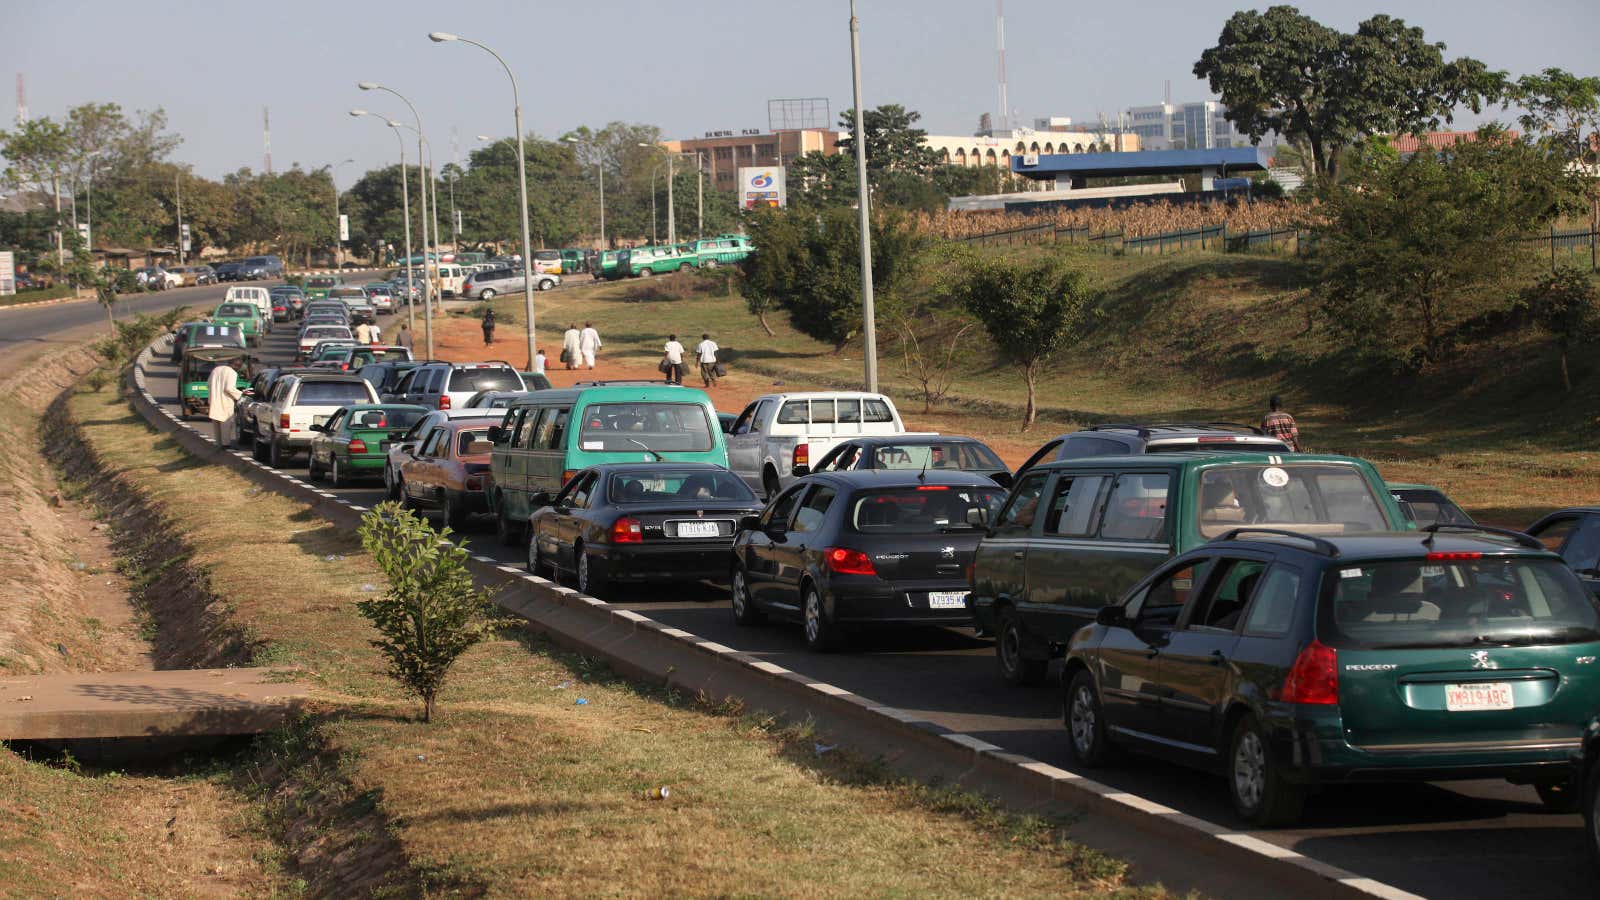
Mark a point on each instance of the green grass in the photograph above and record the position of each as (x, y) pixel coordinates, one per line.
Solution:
(51, 293)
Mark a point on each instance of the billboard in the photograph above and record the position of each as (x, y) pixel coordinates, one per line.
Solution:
(761, 186)
(8, 273)
(344, 227)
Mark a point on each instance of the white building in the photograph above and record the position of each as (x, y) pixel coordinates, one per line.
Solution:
(996, 148)
(1185, 126)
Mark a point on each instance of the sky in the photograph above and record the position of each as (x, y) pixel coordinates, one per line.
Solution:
(688, 66)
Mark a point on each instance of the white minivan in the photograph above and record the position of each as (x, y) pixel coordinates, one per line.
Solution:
(451, 277)
(778, 432)
(251, 294)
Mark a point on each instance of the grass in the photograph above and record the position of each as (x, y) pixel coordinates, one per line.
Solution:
(518, 789)
(34, 296)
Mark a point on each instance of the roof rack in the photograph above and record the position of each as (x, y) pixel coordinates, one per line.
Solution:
(1521, 538)
(1326, 547)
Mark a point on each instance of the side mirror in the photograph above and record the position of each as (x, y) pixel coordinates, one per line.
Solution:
(1110, 616)
(497, 435)
(539, 498)
(319, 427)
(978, 517)
(749, 523)
(800, 471)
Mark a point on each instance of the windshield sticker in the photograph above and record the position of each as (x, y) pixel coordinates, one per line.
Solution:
(594, 445)
(1350, 573)
(1275, 477)
(1432, 571)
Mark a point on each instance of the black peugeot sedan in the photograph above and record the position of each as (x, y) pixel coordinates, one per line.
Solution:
(638, 522)
(915, 452)
(880, 546)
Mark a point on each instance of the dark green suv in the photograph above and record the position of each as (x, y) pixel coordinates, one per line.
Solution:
(1284, 661)
(1074, 535)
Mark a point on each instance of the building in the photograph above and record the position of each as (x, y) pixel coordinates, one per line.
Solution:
(998, 147)
(1407, 144)
(725, 152)
(1185, 126)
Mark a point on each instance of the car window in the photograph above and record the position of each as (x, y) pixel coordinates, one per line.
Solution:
(1336, 498)
(1080, 446)
(660, 486)
(1158, 606)
(779, 511)
(669, 427)
(552, 433)
(849, 411)
(430, 446)
(795, 412)
(1555, 532)
(931, 509)
(1073, 505)
(741, 425)
(1227, 591)
(335, 422)
(1583, 550)
(519, 425)
(1272, 608)
(497, 378)
(814, 510)
(844, 458)
(329, 393)
(763, 416)
(577, 492)
(822, 412)
(875, 410)
(1017, 518)
(1137, 508)
(466, 437)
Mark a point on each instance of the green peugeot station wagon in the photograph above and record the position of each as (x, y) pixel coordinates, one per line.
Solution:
(1285, 661)
(1075, 534)
(244, 316)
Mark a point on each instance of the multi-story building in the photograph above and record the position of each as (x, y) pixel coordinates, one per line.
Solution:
(725, 152)
(997, 147)
(1185, 126)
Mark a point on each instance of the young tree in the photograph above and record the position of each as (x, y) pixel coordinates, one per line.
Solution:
(767, 276)
(1563, 303)
(1030, 310)
(1283, 71)
(431, 612)
(930, 348)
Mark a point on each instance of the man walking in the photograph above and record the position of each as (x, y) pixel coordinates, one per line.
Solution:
(674, 352)
(223, 387)
(538, 362)
(488, 327)
(569, 346)
(364, 333)
(1280, 424)
(589, 341)
(403, 339)
(706, 352)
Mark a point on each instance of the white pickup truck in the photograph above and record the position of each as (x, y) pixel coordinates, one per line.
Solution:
(779, 432)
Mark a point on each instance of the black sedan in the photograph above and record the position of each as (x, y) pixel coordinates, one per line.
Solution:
(915, 452)
(879, 547)
(639, 522)
(1575, 534)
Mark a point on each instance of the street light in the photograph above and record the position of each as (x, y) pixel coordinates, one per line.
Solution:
(672, 223)
(422, 170)
(405, 200)
(88, 240)
(600, 170)
(440, 37)
(338, 233)
(869, 331)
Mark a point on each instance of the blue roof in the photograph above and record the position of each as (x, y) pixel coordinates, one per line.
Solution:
(1144, 162)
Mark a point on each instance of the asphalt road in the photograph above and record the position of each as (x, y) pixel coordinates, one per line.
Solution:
(1460, 839)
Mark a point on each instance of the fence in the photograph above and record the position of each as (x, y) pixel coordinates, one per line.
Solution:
(1034, 234)
(1571, 243)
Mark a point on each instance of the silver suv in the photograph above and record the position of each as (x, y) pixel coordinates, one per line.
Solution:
(283, 423)
(450, 385)
(485, 285)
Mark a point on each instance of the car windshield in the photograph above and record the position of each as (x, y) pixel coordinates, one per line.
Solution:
(645, 426)
(333, 393)
(1493, 600)
(1307, 497)
(355, 293)
(390, 419)
(687, 485)
(1430, 508)
(489, 378)
(327, 331)
(229, 310)
(321, 281)
(921, 509)
(256, 261)
(960, 455)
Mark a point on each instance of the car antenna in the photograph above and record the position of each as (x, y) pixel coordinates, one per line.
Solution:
(923, 475)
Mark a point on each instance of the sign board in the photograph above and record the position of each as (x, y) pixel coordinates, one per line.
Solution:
(1030, 159)
(458, 223)
(761, 186)
(8, 273)
(344, 227)
(83, 232)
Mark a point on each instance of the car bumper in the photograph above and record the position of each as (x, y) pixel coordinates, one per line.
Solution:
(362, 462)
(689, 561)
(470, 501)
(890, 603)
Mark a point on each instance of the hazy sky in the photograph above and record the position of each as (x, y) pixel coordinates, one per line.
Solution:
(687, 65)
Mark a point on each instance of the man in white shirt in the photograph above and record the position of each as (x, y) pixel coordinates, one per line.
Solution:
(674, 351)
(589, 342)
(223, 393)
(363, 333)
(571, 340)
(374, 333)
(538, 362)
(706, 352)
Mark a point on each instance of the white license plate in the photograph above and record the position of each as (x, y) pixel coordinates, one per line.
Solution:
(1472, 697)
(947, 599)
(697, 529)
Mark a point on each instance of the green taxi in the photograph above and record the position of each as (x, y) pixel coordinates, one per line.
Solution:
(646, 261)
(604, 266)
(318, 286)
(354, 442)
(194, 375)
(722, 250)
(244, 316)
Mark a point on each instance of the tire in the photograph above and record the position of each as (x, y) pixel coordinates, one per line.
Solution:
(545, 284)
(275, 454)
(391, 489)
(258, 450)
(1255, 783)
(769, 484)
(239, 439)
(454, 515)
(711, 264)
(536, 564)
(337, 476)
(1086, 722)
(646, 273)
(1560, 796)
(486, 294)
(1015, 668)
(1591, 817)
(821, 635)
(684, 267)
(508, 533)
(744, 608)
(405, 499)
(313, 474)
(591, 577)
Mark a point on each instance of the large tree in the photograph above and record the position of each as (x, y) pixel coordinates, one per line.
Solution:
(1282, 71)
(893, 140)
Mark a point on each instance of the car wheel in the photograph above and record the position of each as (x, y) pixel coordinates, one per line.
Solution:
(240, 439)
(1559, 796)
(504, 529)
(684, 267)
(744, 608)
(711, 264)
(338, 477)
(769, 483)
(546, 284)
(1255, 781)
(645, 273)
(258, 449)
(486, 294)
(821, 635)
(390, 489)
(405, 496)
(591, 576)
(275, 454)
(535, 558)
(1591, 816)
(1085, 721)
(1016, 668)
(454, 515)
(312, 472)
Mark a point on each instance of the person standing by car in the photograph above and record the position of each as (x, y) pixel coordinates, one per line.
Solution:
(364, 333)
(1280, 424)
(224, 393)
(403, 339)
(589, 342)
(706, 352)
(488, 327)
(570, 342)
(538, 362)
(674, 358)
(376, 333)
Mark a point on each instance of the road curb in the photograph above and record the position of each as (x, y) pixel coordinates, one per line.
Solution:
(644, 648)
(38, 303)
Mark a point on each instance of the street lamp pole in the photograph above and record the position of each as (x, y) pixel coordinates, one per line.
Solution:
(653, 172)
(338, 234)
(522, 182)
(405, 202)
(422, 175)
(869, 331)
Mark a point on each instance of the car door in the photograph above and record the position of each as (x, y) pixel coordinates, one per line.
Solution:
(322, 449)
(1056, 604)
(1576, 537)
(1130, 653)
(554, 531)
(999, 566)
(423, 476)
(580, 499)
(1042, 455)
(1197, 668)
(791, 550)
(744, 446)
(760, 563)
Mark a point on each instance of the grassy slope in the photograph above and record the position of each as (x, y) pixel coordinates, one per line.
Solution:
(516, 789)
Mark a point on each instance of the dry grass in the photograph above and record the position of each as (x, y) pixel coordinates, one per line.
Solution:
(517, 789)
(1153, 217)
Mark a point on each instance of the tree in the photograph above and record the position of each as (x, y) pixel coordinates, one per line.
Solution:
(1563, 303)
(431, 612)
(1030, 310)
(1283, 71)
(1409, 240)
(766, 276)
(1563, 107)
(893, 143)
(930, 348)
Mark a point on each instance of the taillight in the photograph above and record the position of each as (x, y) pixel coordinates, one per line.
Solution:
(567, 475)
(626, 531)
(357, 445)
(283, 420)
(474, 483)
(802, 455)
(444, 401)
(932, 487)
(1454, 557)
(848, 562)
(1314, 677)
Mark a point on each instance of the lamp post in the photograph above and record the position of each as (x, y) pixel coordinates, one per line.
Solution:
(869, 332)
(600, 172)
(653, 172)
(405, 201)
(440, 37)
(88, 241)
(338, 233)
(422, 172)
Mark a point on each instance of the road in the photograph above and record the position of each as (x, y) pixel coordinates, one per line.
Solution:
(1462, 839)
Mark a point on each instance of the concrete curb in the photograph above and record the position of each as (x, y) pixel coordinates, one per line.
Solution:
(644, 648)
(38, 303)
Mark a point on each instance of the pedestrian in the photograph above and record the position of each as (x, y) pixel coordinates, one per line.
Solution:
(363, 333)
(706, 352)
(674, 358)
(570, 342)
(589, 342)
(403, 339)
(374, 332)
(1280, 424)
(223, 390)
(539, 362)
(488, 327)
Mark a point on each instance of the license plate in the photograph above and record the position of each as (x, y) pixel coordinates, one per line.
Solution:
(947, 599)
(697, 529)
(1472, 697)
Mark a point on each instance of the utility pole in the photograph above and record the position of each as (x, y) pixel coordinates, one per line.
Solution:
(61, 249)
(602, 169)
(699, 195)
(266, 137)
(869, 332)
(177, 190)
(672, 219)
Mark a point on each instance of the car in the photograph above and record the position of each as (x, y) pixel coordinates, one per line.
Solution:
(381, 295)
(535, 381)
(261, 268)
(932, 452)
(204, 274)
(283, 423)
(156, 278)
(442, 385)
(404, 449)
(34, 281)
(1124, 440)
(244, 316)
(252, 294)
(291, 298)
(322, 320)
(228, 271)
(448, 471)
(314, 334)
(195, 335)
(1427, 505)
(318, 286)
(489, 284)
(639, 522)
(1575, 534)
(881, 547)
(194, 374)
(330, 349)
(494, 399)
(367, 354)
(351, 444)
(259, 389)
(1075, 534)
(185, 275)
(778, 432)
(384, 374)
(1287, 661)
